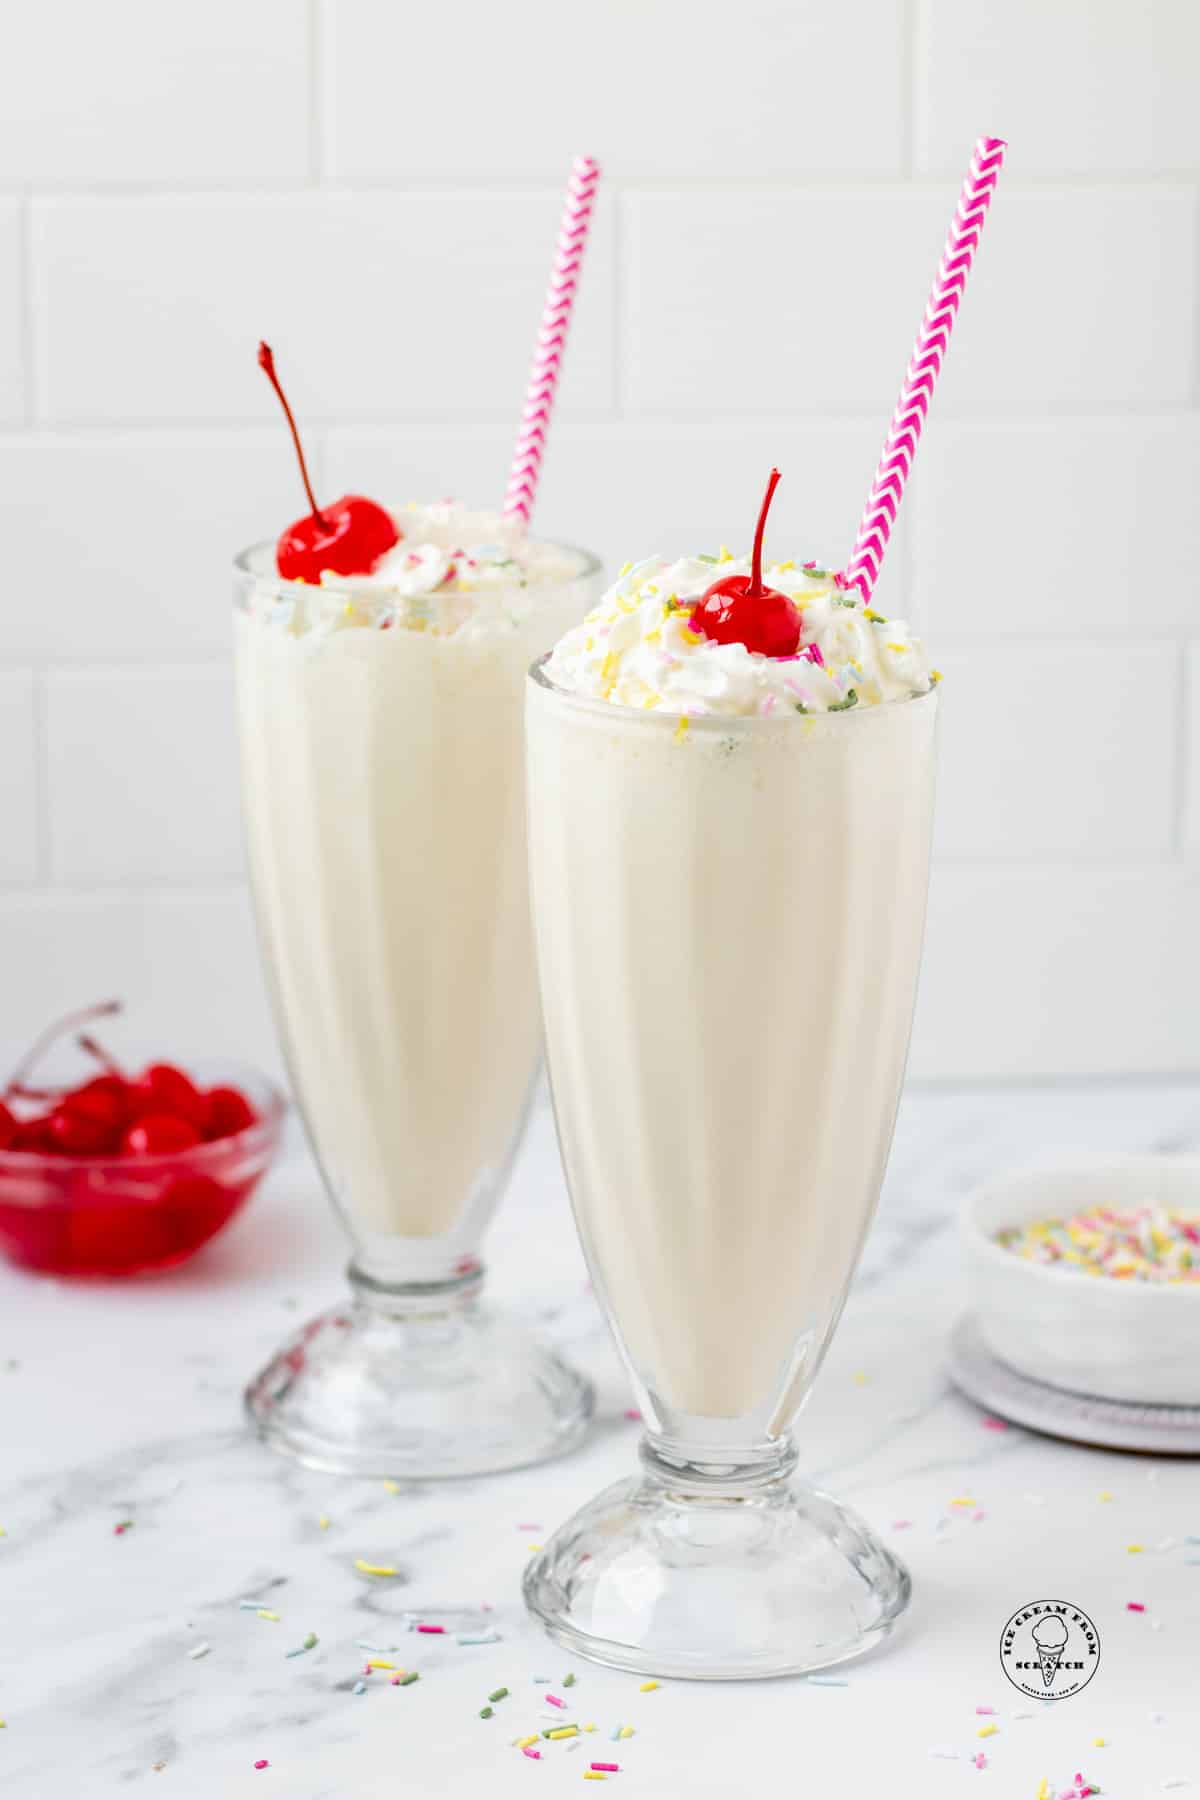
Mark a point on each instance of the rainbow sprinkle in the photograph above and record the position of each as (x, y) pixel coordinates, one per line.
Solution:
(1143, 1243)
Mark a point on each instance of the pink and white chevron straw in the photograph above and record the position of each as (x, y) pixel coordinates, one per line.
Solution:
(887, 489)
(552, 335)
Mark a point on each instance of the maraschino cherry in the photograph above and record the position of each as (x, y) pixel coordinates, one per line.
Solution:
(740, 610)
(347, 537)
(159, 1134)
(156, 1113)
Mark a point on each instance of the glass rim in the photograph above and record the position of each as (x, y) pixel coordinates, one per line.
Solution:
(589, 564)
(720, 723)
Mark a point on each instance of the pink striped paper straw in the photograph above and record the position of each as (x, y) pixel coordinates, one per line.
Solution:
(552, 335)
(887, 489)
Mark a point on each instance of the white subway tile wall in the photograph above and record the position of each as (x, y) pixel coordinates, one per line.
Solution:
(777, 189)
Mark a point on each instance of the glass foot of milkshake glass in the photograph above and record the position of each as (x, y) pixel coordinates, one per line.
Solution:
(728, 909)
(382, 758)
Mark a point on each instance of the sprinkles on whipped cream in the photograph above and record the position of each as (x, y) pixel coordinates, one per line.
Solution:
(637, 647)
(1144, 1243)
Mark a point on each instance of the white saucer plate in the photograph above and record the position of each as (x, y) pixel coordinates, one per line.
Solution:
(1083, 1418)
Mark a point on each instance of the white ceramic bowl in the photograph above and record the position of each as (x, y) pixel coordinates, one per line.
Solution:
(1121, 1340)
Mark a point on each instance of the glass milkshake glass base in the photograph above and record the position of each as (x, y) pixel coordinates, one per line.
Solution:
(419, 1382)
(716, 1575)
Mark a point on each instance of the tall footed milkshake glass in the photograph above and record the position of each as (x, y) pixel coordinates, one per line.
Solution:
(382, 762)
(728, 913)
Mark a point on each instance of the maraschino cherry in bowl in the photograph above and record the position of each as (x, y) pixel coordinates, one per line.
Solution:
(128, 1171)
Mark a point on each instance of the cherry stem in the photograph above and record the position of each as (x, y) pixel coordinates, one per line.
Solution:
(19, 1078)
(107, 1062)
(266, 362)
(756, 587)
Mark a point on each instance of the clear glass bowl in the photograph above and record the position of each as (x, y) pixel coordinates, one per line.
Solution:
(131, 1215)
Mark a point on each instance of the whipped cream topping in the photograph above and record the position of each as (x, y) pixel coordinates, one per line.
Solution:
(451, 571)
(636, 647)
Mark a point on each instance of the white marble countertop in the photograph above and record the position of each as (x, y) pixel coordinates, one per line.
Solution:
(123, 1402)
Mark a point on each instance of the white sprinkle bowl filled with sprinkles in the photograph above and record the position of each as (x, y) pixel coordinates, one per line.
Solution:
(1087, 1277)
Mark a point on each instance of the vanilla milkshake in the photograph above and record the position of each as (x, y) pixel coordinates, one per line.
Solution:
(730, 798)
(382, 764)
(728, 1009)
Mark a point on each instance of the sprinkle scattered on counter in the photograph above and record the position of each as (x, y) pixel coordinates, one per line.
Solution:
(323, 1521)
(262, 1763)
(991, 1424)
(366, 1568)
(1142, 1243)
(360, 1687)
(433, 1630)
(568, 1680)
(1135, 1606)
(647, 1687)
(199, 1650)
(123, 1527)
(501, 1693)
(1135, 1549)
(986, 1731)
(407, 1680)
